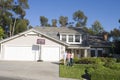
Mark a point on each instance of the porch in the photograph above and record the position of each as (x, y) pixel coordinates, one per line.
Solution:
(88, 51)
(79, 51)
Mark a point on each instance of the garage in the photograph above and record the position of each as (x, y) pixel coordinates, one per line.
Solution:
(21, 53)
(28, 45)
(28, 53)
(50, 53)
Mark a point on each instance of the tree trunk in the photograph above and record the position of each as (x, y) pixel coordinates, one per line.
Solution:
(13, 29)
(10, 32)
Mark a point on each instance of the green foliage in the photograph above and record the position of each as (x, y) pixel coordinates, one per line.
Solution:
(80, 18)
(43, 21)
(97, 27)
(72, 72)
(76, 60)
(114, 66)
(11, 11)
(118, 60)
(63, 20)
(115, 34)
(1, 33)
(96, 69)
(21, 26)
(105, 74)
(54, 23)
(116, 48)
(90, 61)
(78, 24)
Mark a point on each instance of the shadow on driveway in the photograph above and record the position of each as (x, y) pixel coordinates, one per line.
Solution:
(8, 78)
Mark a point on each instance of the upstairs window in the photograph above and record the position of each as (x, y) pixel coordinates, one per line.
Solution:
(70, 39)
(64, 38)
(77, 38)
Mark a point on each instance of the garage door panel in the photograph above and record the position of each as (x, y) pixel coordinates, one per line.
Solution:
(50, 53)
(19, 53)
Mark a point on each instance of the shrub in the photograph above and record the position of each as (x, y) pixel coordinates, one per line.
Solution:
(105, 74)
(61, 61)
(111, 60)
(76, 60)
(118, 60)
(90, 61)
(115, 66)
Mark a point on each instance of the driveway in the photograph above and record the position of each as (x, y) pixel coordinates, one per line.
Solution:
(11, 70)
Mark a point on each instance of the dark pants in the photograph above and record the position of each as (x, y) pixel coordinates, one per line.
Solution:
(71, 61)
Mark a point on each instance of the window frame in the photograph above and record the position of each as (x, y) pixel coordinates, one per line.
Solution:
(70, 38)
(64, 39)
(73, 41)
(76, 39)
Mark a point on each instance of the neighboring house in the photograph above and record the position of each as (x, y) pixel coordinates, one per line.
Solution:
(49, 44)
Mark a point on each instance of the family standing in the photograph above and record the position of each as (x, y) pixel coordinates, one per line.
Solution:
(68, 58)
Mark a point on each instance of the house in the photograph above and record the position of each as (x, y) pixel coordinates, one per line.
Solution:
(49, 44)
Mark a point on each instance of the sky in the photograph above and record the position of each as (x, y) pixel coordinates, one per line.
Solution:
(107, 12)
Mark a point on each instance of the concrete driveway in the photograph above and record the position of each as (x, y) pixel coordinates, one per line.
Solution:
(11, 70)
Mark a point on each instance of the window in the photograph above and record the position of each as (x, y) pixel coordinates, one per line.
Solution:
(64, 38)
(77, 38)
(99, 53)
(70, 38)
(92, 53)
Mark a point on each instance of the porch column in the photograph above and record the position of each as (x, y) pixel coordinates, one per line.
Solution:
(85, 53)
(67, 38)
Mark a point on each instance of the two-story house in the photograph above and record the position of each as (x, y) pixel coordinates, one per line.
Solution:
(50, 43)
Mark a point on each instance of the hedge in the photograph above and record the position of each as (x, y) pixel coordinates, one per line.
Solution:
(105, 75)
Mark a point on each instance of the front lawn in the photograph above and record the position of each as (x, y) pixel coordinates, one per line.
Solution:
(72, 72)
(102, 69)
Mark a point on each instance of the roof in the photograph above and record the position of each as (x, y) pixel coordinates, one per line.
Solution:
(98, 41)
(53, 31)
(34, 30)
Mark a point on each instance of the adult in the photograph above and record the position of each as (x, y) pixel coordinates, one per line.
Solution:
(68, 58)
(71, 59)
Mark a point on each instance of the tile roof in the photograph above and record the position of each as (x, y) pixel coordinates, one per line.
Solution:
(93, 41)
(53, 31)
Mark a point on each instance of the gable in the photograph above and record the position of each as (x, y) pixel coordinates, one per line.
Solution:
(24, 35)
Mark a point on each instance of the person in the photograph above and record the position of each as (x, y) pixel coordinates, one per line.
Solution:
(71, 59)
(68, 58)
(65, 57)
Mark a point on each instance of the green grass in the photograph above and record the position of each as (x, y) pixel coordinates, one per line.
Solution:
(75, 71)
(105, 68)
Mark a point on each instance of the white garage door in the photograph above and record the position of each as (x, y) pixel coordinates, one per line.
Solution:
(50, 53)
(24, 53)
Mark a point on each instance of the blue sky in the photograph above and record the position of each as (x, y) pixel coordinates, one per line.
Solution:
(107, 12)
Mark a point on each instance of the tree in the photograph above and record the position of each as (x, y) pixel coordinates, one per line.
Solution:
(80, 18)
(30, 27)
(77, 24)
(115, 34)
(21, 25)
(10, 12)
(63, 21)
(97, 27)
(54, 23)
(19, 10)
(1, 33)
(5, 14)
(43, 21)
